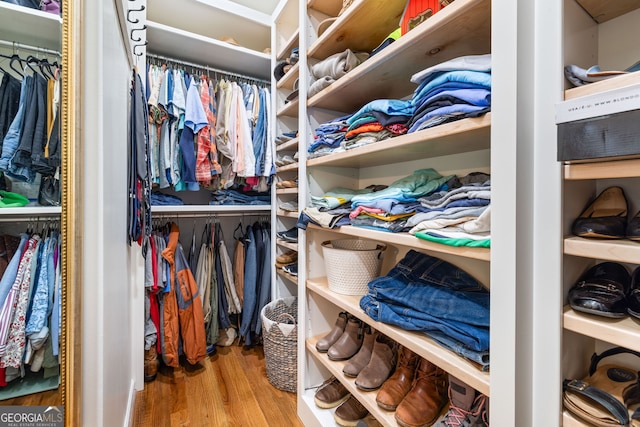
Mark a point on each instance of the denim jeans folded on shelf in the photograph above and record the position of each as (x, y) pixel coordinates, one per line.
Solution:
(161, 199)
(232, 197)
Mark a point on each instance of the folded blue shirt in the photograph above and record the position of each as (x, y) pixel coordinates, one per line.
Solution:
(473, 77)
(418, 184)
(392, 107)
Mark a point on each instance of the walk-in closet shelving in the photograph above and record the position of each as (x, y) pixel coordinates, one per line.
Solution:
(461, 28)
(596, 32)
(30, 26)
(287, 82)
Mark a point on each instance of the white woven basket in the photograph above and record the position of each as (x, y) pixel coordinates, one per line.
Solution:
(351, 264)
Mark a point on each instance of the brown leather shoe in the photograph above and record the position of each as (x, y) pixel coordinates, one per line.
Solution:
(428, 395)
(350, 412)
(331, 394)
(398, 385)
(328, 340)
(362, 358)
(383, 360)
(286, 258)
(151, 364)
(349, 342)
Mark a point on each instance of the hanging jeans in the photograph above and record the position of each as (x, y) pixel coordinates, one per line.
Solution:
(9, 103)
(250, 282)
(12, 138)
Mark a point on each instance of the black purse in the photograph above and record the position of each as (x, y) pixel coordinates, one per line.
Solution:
(49, 192)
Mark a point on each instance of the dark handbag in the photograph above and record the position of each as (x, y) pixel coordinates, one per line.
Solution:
(49, 193)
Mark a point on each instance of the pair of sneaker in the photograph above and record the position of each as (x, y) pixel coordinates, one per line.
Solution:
(290, 235)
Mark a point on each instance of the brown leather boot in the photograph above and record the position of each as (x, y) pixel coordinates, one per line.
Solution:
(350, 412)
(362, 358)
(428, 395)
(349, 342)
(328, 340)
(398, 385)
(151, 364)
(383, 360)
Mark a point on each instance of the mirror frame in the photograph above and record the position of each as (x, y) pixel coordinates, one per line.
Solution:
(71, 217)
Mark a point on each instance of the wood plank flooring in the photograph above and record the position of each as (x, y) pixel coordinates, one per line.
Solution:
(229, 388)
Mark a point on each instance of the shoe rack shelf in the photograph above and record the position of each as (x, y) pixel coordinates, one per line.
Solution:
(287, 191)
(366, 398)
(286, 214)
(406, 239)
(289, 245)
(603, 86)
(612, 250)
(290, 277)
(288, 146)
(419, 343)
(289, 109)
(287, 81)
(435, 40)
(629, 168)
(624, 332)
(568, 420)
(289, 44)
(289, 167)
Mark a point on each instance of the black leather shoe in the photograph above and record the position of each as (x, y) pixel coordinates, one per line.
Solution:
(633, 228)
(602, 290)
(605, 217)
(633, 299)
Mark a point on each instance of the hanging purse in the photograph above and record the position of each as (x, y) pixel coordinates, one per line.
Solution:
(49, 192)
(598, 398)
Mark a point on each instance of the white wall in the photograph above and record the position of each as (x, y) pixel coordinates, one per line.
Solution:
(108, 295)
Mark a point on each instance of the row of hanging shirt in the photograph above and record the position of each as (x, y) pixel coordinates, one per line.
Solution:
(209, 133)
(29, 118)
(30, 310)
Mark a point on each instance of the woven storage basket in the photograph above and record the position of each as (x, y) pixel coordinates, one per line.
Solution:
(351, 264)
(280, 337)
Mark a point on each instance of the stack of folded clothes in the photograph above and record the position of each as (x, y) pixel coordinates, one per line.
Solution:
(458, 215)
(328, 137)
(332, 209)
(426, 294)
(378, 120)
(453, 90)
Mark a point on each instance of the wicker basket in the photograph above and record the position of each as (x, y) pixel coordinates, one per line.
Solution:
(351, 264)
(280, 337)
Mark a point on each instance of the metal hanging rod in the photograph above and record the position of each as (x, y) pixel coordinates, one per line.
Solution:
(206, 68)
(16, 45)
(187, 215)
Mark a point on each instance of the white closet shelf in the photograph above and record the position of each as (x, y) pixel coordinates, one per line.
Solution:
(461, 136)
(289, 277)
(606, 249)
(603, 86)
(367, 398)
(288, 245)
(381, 18)
(408, 240)
(286, 214)
(436, 40)
(328, 7)
(421, 344)
(286, 82)
(176, 43)
(28, 212)
(30, 26)
(289, 145)
(289, 109)
(628, 168)
(289, 44)
(286, 168)
(624, 332)
(213, 209)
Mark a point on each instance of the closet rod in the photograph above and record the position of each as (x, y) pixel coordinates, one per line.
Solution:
(16, 45)
(207, 68)
(186, 215)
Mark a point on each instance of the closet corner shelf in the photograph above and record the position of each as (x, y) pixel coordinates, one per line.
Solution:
(30, 212)
(408, 240)
(289, 167)
(603, 86)
(289, 44)
(287, 191)
(602, 11)
(624, 332)
(628, 168)
(30, 26)
(621, 250)
(368, 399)
(286, 214)
(461, 136)
(387, 74)
(289, 109)
(289, 277)
(328, 7)
(381, 16)
(288, 245)
(176, 43)
(212, 209)
(289, 145)
(418, 342)
(287, 81)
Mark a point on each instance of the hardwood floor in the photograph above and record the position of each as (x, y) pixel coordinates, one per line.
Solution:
(229, 388)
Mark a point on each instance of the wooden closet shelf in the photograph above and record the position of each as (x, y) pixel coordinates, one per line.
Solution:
(602, 10)
(421, 344)
(461, 136)
(461, 28)
(289, 109)
(568, 420)
(289, 145)
(289, 167)
(366, 398)
(328, 7)
(619, 250)
(628, 168)
(288, 245)
(382, 18)
(286, 214)
(286, 275)
(291, 42)
(603, 86)
(287, 190)
(624, 332)
(408, 240)
(286, 82)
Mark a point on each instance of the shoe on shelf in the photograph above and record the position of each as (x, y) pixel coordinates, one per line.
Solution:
(327, 341)
(602, 290)
(362, 358)
(292, 269)
(398, 385)
(467, 407)
(633, 228)
(380, 367)
(291, 235)
(426, 399)
(331, 394)
(349, 342)
(633, 298)
(350, 412)
(605, 217)
(289, 206)
(286, 258)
